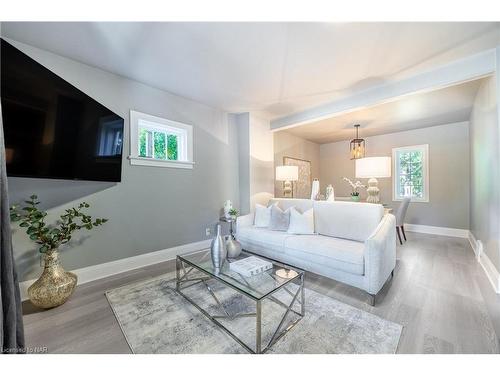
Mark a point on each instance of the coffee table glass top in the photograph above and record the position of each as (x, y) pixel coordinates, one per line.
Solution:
(256, 287)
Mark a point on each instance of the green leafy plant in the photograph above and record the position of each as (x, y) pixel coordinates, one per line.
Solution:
(233, 212)
(50, 237)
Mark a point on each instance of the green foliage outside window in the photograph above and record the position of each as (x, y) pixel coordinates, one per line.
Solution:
(159, 146)
(172, 147)
(143, 135)
(411, 174)
(165, 146)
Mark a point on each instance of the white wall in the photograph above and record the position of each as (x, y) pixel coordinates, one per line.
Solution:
(261, 161)
(256, 160)
(485, 173)
(448, 204)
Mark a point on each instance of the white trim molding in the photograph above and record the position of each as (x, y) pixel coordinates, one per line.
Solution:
(440, 231)
(424, 149)
(100, 271)
(183, 132)
(489, 268)
(462, 70)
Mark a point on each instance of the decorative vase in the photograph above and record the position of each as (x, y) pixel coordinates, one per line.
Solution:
(54, 286)
(330, 195)
(228, 206)
(355, 198)
(218, 250)
(233, 248)
(315, 189)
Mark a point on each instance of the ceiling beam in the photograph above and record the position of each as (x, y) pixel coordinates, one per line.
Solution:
(459, 71)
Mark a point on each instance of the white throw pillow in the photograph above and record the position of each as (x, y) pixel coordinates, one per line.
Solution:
(301, 223)
(262, 216)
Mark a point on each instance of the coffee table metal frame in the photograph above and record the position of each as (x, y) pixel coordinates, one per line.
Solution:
(182, 277)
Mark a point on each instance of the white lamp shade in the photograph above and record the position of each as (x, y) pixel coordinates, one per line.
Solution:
(287, 173)
(373, 167)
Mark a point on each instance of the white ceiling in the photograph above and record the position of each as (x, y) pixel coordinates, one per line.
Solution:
(444, 106)
(274, 69)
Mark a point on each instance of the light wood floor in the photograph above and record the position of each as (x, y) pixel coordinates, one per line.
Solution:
(439, 294)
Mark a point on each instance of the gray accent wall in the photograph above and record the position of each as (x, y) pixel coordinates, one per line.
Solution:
(151, 208)
(287, 144)
(448, 204)
(485, 173)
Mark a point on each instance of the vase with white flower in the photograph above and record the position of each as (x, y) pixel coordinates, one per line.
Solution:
(354, 186)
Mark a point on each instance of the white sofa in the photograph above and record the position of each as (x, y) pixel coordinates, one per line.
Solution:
(355, 243)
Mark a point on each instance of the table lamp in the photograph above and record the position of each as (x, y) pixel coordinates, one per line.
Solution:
(373, 168)
(287, 174)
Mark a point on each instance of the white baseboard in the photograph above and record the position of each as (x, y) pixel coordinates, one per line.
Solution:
(477, 246)
(491, 272)
(441, 231)
(489, 268)
(99, 271)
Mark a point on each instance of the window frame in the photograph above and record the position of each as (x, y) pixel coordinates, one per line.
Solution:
(424, 148)
(184, 148)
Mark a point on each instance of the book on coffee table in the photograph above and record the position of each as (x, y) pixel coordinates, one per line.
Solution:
(250, 266)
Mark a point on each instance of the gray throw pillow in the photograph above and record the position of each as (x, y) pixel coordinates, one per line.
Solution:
(280, 220)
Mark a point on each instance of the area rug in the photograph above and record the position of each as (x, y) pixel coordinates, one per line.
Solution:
(155, 319)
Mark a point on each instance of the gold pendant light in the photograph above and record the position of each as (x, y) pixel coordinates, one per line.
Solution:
(357, 146)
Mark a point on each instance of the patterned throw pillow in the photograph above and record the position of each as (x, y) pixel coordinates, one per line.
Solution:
(280, 220)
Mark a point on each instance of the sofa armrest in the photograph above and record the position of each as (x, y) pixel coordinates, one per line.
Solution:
(244, 221)
(380, 254)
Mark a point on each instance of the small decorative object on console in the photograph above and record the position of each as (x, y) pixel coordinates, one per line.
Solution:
(355, 186)
(250, 266)
(330, 194)
(233, 247)
(233, 213)
(228, 206)
(373, 168)
(218, 250)
(315, 189)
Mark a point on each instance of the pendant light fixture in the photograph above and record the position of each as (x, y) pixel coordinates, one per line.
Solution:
(357, 146)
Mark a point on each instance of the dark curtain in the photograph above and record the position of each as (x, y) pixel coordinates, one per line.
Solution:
(11, 318)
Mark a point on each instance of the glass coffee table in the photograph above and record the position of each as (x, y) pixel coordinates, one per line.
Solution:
(270, 286)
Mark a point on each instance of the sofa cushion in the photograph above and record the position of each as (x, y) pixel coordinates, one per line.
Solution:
(349, 220)
(264, 237)
(336, 253)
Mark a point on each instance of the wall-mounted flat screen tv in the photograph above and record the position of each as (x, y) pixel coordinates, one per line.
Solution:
(52, 129)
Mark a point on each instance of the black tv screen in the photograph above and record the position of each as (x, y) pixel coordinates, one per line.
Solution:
(52, 129)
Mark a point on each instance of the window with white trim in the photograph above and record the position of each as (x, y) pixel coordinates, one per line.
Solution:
(155, 141)
(411, 173)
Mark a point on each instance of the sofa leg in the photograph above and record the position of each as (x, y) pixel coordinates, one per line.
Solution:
(372, 299)
(392, 273)
(403, 231)
(399, 235)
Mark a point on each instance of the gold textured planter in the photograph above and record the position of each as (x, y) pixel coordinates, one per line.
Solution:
(54, 286)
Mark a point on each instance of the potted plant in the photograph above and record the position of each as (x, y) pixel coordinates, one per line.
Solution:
(55, 285)
(355, 186)
(233, 212)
